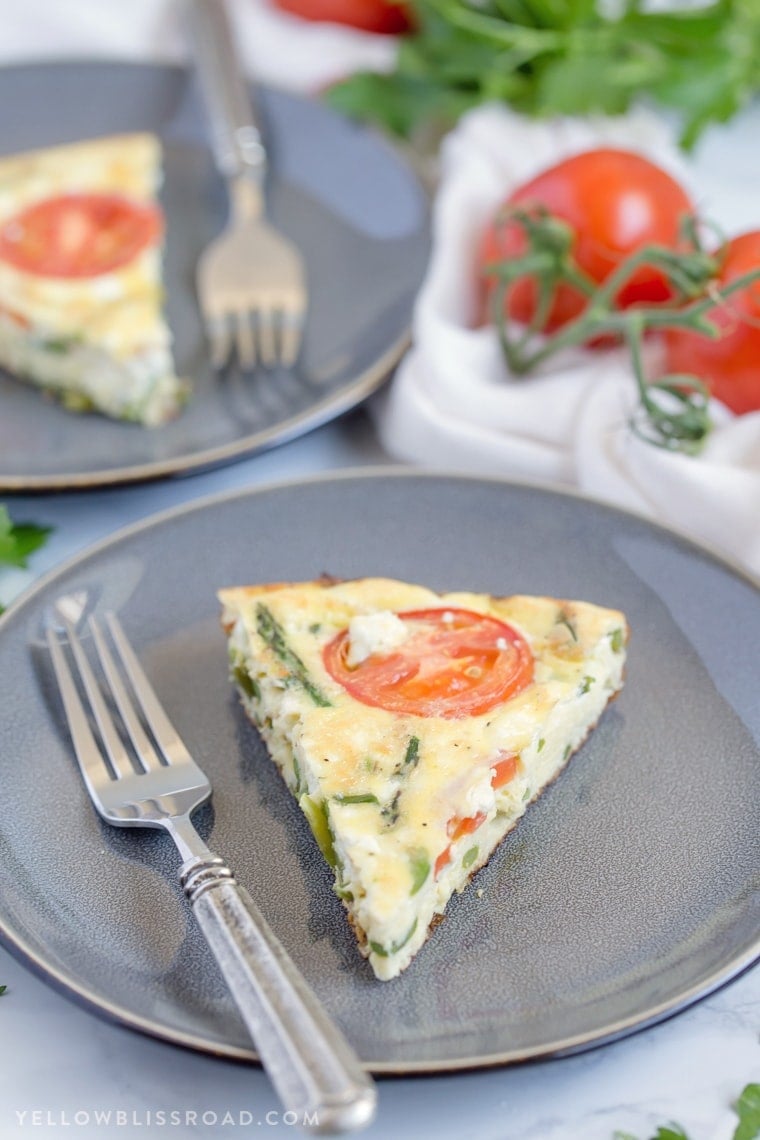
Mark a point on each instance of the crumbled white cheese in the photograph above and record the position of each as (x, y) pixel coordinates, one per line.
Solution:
(108, 287)
(238, 640)
(479, 797)
(380, 633)
(360, 840)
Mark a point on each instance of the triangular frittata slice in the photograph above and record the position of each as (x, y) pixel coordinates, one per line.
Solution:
(80, 277)
(414, 728)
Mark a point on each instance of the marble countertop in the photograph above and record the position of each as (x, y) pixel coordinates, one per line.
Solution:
(60, 1065)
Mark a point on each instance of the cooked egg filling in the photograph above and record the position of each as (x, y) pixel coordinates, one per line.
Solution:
(406, 808)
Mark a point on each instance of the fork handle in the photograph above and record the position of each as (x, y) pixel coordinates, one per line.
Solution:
(311, 1065)
(236, 134)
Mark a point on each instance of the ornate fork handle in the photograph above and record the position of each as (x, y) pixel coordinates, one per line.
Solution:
(238, 145)
(315, 1073)
(157, 783)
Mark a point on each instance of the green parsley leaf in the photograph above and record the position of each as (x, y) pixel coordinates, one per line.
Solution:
(2, 990)
(747, 1109)
(19, 540)
(664, 1132)
(547, 57)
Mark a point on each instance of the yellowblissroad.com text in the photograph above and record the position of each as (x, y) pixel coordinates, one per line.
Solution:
(160, 1118)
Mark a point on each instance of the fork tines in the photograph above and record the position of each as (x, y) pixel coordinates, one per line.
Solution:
(126, 690)
(271, 336)
(253, 292)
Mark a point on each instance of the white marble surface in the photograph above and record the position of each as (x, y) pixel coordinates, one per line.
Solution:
(60, 1065)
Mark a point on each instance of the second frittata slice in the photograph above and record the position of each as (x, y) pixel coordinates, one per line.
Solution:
(81, 296)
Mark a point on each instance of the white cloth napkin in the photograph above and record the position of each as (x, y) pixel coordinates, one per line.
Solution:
(277, 48)
(453, 403)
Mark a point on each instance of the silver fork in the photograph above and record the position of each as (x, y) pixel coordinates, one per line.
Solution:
(251, 280)
(311, 1065)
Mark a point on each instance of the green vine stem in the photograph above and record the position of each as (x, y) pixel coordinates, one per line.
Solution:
(675, 408)
(673, 411)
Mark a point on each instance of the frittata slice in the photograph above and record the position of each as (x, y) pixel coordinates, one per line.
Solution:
(80, 277)
(414, 728)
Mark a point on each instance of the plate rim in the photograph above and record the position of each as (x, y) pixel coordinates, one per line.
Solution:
(350, 395)
(115, 1013)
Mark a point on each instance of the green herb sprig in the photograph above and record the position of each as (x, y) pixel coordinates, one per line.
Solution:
(18, 541)
(747, 1109)
(664, 1132)
(563, 57)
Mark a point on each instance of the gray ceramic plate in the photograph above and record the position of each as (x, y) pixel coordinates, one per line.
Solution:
(628, 891)
(349, 202)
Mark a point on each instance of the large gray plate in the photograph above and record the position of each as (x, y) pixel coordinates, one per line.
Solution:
(628, 891)
(348, 201)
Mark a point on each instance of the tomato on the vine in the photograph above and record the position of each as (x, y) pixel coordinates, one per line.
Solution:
(730, 365)
(453, 663)
(383, 16)
(615, 201)
(79, 235)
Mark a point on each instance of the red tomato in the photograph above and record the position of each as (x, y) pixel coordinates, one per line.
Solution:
(456, 828)
(454, 663)
(442, 861)
(78, 235)
(615, 201)
(382, 16)
(504, 769)
(729, 366)
(17, 318)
